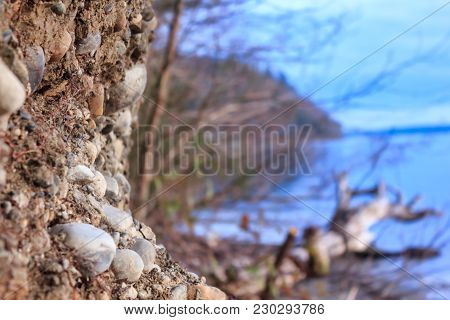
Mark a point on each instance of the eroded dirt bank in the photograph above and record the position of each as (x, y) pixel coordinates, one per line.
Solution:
(72, 76)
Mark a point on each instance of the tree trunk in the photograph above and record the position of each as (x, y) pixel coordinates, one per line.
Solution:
(160, 103)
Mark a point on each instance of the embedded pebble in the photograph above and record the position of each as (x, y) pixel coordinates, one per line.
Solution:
(130, 90)
(148, 13)
(204, 292)
(80, 174)
(112, 188)
(2, 176)
(121, 48)
(118, 148)
(60, 45)
(90, 44)
(12, 92)
(121, 22)
(123, 123)
(94, 247)
(43, 177)
(127, 265)
(35, 63)
(108, 7)
(7, 35)
(91, 151)
(98, 184)
(123, 183)
(136, 23)
(147, 232)
(96, 100)
(119, 220)
(59, 8)
(147, 252)
(179, 292)
(130, 293)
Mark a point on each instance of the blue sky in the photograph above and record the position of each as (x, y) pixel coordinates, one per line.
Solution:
(416, 95)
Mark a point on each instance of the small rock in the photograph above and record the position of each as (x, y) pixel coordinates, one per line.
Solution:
(123, 123)
(2, 176)
(98, 185)
(112, 188)
(52, 267)
(35, 63)
(119, 220)
(148, 13)
(118, 148)
(30, 127)
(43, 177)
(6, 206)
(90, 44)
(60, 45)
(147, 252)
(152, 24)
(136, 23)
(25, 115)
(71, 159)
(80, 174)
(130, 90)
(94, 247)
(121, 48)
(7, 35)
(123, 183)
(130, 293)
(65, 264)
(148, 233)
(12, 92)
(144, 294)
(100, 161)
(59, 8)
(91, 151)
(127, 265)
(87, 82)
(96, 100)
(204, 292)
(108, 8)
(21, 199)
(121, 22)
(179, 292)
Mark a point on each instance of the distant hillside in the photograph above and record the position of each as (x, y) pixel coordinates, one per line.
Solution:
(208, 91)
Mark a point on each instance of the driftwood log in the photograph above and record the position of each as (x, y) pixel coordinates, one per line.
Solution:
(349, 230)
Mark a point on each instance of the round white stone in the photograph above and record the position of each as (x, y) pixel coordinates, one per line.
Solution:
(127, 265)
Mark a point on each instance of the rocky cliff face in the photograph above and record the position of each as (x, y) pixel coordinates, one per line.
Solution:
(72, 75)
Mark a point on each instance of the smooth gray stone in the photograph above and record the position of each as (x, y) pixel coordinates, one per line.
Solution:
(95, 248)
(80, 174)
(127, 265)
(119, 220)
(147, 252)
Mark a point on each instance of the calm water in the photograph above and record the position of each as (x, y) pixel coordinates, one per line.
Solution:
(413, 163)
